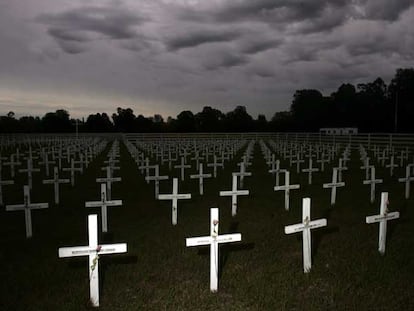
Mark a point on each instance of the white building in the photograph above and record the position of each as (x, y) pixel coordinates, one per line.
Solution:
(339, 130)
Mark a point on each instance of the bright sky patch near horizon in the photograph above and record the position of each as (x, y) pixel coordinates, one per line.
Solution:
(160, 56)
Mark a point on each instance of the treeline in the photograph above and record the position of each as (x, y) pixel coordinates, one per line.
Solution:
(371, 107)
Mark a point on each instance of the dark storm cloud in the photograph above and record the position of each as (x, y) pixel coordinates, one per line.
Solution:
(195, 39)
(226, 60)
(268, 11)
(78, 24)
(385, 9)
(256, 46)
(67, 35)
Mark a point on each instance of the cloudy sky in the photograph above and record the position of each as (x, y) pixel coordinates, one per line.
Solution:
(166, 56)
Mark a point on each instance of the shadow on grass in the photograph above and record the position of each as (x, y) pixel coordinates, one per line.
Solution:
(318, 235)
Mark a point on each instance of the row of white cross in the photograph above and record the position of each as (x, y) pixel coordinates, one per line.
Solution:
(93, 250)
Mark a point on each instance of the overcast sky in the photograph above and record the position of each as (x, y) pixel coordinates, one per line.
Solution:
(166, 56)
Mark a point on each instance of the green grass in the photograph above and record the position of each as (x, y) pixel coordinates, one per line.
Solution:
(263, 272)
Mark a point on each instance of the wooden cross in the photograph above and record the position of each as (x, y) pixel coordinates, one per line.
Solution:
(341, 167)
(242, 173)
(234, 193)
(72, 169)
(46, 162)
(310, 170)
(298, 161)
(391, 165)
(29, 170)
(333, 185)
(103, 204)
(200, 177)
(382, 218)
(366, 167)
(276, 170)
(4, 183)
(93, 251)
(12, 165)
(56, 181)
(287, 187)
(407, 179)
(157, 179)
(305, 227)
(108, 180)
(174, 197)
(322, 161)
(214, 165)
(214, 239)
(27, 207)
(145, 167)
(182, 167)
(372, 182)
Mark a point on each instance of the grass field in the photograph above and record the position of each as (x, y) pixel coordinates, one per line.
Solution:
(263, 272)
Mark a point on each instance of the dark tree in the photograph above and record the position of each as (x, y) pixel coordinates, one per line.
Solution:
(98, 123)
(309, 109)
(8, 124)
(345, 105)
(209, 120)
(401, 98)
(261, 125)
(373, 114)
(124, 120)
(185, 122)
(281, 122)
(57, 122)
(238, 120)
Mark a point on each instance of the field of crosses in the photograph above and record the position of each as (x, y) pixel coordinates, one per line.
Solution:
(128, 224)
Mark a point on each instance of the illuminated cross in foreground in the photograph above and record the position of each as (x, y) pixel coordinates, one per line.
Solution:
(214, 239)
(305, 227)
(93, 251)
(382, 218)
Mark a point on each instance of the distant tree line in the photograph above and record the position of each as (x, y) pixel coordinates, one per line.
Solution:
(371, 107)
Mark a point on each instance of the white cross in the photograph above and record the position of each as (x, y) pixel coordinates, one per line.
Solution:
(322, 161)
(175, 196)
(382, 218)
(214, 239)
(12, 164)
(214, 165)
(277, 170)
(407, 179)
(182, 167)
(157, 179)
(4, 183)
(242, 173)
(298, 161)
(56, 181)
(29, 170)
(391, 165)
(306, 227)
(287, 187)
(234, 193)
(310, 170)
(372, 182)
(200, 177)
(108, 180)
(333, 185)
(46, 162)
(366, 167)
(341, 168)
(27, 207)
(103, 204)
(93, 251)
(145, 166)
(72, 169)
